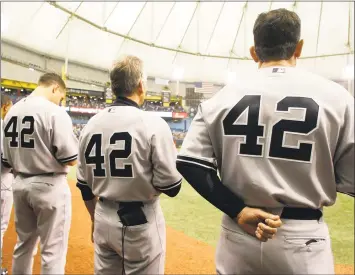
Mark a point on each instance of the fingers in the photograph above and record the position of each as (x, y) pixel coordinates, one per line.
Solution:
(273, 223)
(260, 237)
(267, 229)
(264, 215)
(264, 234)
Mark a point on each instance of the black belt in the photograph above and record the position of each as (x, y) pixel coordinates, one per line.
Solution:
(125, 203)
(301, 213)
(25, 175)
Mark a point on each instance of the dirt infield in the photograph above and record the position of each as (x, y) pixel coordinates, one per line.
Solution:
(185, 255)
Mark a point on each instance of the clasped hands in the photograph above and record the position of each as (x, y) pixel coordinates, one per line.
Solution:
(258, 223)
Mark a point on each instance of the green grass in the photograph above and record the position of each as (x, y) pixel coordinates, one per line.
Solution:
(191, 214)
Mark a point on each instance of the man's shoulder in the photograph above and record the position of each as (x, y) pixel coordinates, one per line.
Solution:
(326, 88)
(153, 122)
(94, 121)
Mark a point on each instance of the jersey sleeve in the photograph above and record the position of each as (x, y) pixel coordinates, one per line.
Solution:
(65, 142)
(82, 182)
(5, 156)
(165, 174)
(344, 155)
(197, 146)
(80, 168)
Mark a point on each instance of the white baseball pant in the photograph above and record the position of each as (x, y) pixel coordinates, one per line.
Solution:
(300, 247)
(42, 212)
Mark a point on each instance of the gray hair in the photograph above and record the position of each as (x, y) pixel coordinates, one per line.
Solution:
(126, 75)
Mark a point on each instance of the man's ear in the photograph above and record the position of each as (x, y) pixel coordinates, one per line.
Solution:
(140, 89)
(253, 54)
(299, 48)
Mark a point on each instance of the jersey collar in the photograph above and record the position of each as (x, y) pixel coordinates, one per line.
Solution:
(124, 101)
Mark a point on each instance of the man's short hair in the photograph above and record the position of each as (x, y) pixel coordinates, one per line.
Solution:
(125, 75)
(5, 100)
(276, 35)
(51, 78)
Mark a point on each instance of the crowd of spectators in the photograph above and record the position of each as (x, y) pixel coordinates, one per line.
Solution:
(85, 102)
(178, 137)
(77, 129)
(157, 106)
(15, 94)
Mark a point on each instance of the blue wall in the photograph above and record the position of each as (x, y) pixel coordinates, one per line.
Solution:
(182, 125)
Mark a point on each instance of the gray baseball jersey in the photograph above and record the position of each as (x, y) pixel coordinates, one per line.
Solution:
(282, 137)
(38, 137)
(126, 154)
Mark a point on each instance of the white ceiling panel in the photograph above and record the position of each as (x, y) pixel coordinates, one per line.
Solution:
(207, 28)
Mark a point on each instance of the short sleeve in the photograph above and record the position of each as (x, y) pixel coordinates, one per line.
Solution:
(80, 168)
(5, 156)
(165, 174)
(344, 155)
(64, 140)
(197, 146)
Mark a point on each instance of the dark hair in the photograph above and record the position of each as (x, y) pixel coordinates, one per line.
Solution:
(50, 79)
(276, 35)
(5, 100)
(125, 75)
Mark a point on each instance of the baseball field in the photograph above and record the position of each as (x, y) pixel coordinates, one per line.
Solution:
(192, 234)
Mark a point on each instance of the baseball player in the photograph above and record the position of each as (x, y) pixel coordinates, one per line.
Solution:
(127, 158)
(282, 140)
(39, 144)
(6, 178)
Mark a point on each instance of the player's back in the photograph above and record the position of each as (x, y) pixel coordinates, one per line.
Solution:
(122, 170)
(275, 137)
(31, 143)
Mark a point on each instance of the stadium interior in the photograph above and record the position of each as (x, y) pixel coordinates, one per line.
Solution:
(190, 50)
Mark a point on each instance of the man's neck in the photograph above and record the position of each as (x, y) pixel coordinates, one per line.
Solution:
(281, 63)
(39, 91)
(134, 98)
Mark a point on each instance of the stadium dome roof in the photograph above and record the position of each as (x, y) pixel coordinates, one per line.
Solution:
(206, 39)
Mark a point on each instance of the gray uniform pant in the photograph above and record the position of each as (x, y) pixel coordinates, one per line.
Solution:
(6, 207)
(288, 253)
(144, 245)
(42, 212)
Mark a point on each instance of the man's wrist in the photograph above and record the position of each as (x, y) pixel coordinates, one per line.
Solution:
(239, 214)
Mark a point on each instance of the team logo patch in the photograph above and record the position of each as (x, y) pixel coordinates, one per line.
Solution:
(278, 70)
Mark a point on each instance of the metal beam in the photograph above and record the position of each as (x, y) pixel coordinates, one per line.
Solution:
(166, 20)
(236, 35)
(270, 5)
(319, 22)
(135, 21)
(294, 6)
(68, 20)
(23, 30)
(111, 12)
(187, 28)
(214, 27)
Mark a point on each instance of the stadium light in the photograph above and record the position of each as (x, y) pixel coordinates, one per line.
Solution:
(231, 77)
(349, 72)
(178, 73)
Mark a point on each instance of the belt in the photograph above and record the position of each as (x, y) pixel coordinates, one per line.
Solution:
(25, 175)
(124, 203)
(301, 213)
